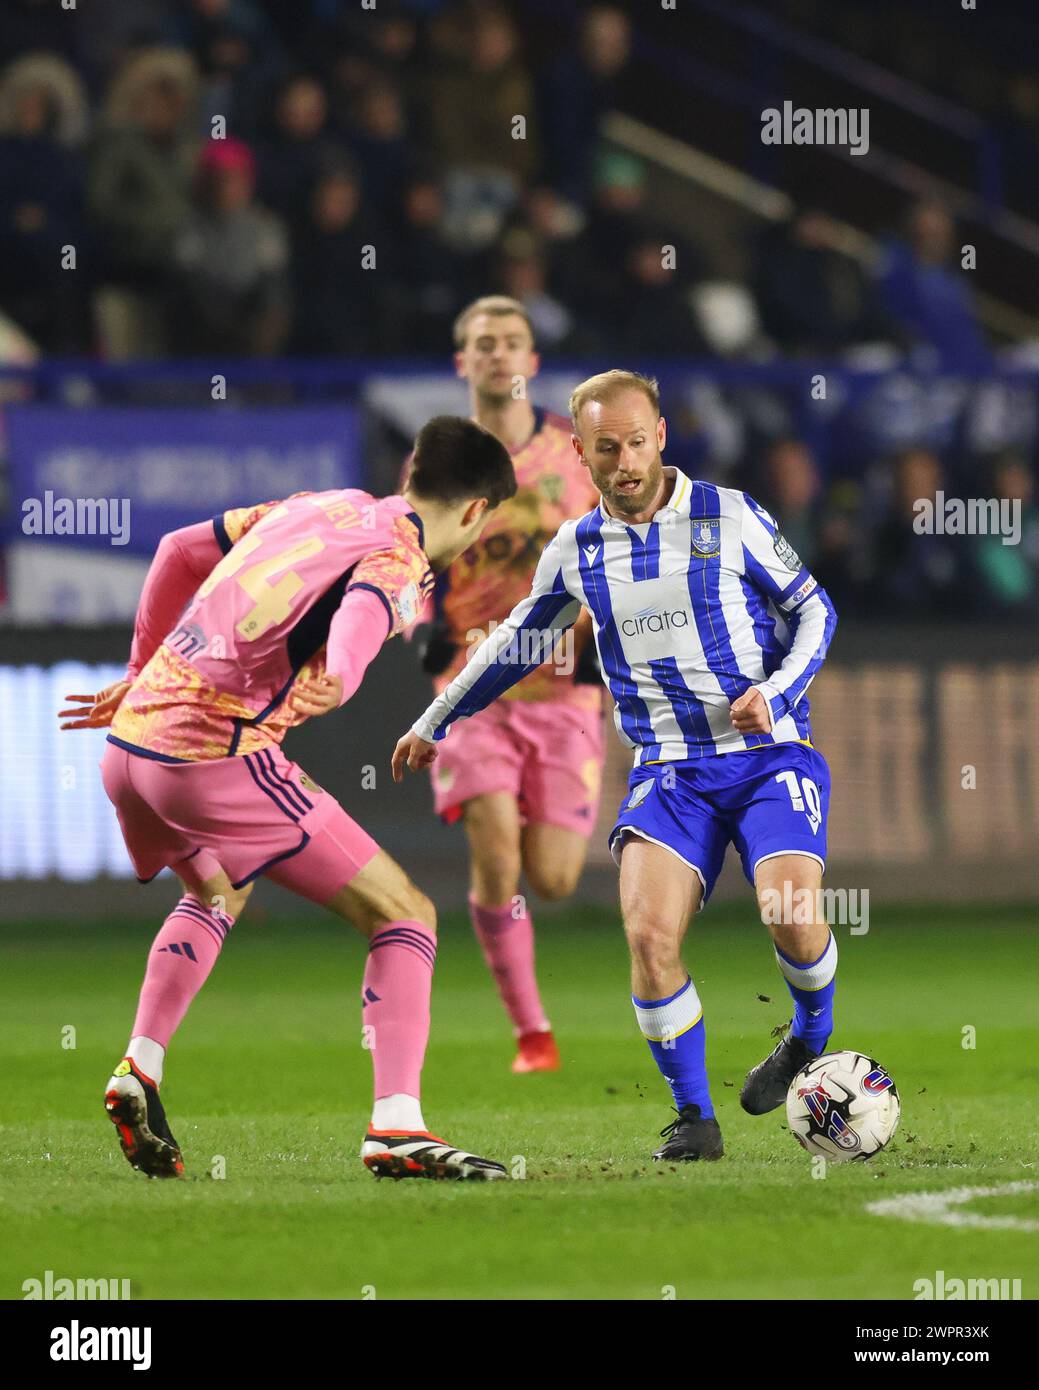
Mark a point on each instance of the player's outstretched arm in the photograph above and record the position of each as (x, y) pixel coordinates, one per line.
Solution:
(182, 561)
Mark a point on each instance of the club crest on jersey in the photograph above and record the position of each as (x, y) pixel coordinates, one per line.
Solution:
(786, 552)
(706, 536)
(552, 486)
(640, 793)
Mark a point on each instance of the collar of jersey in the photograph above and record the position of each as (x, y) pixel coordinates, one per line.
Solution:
(680, 500)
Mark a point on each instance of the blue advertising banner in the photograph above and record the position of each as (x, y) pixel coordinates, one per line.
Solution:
(105, 477)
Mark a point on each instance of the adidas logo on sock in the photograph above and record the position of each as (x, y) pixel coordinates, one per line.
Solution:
(184, 949)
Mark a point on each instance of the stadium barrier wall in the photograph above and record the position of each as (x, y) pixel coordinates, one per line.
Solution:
(929, 733)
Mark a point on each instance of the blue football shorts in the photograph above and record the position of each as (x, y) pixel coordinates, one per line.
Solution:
(765, 801)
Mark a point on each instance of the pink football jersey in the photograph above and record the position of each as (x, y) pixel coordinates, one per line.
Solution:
(219, 683)
(495, 573)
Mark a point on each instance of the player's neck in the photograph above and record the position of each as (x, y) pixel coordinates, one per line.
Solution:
(510, 421)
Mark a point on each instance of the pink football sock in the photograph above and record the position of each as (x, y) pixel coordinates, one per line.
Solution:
(508, 948)
(183, 954)
(395, 1003)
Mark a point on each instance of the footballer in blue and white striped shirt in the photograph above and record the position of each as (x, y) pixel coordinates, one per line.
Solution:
(709, 632)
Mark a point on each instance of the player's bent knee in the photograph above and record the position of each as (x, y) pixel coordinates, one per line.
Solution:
(552, 884)
(653, 942)
(414, 906)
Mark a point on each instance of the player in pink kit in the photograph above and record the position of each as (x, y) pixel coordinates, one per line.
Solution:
(286, 605)
(524, 774)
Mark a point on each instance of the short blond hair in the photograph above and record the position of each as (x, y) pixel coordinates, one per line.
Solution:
(609, 384)
(497, 305)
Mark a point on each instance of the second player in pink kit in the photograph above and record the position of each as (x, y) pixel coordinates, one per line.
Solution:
(523, 776)
(247, 625)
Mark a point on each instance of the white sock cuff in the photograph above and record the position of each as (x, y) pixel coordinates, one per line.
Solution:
(816, 974)
(667, 1018)
(148, 1056)
(398, 1112)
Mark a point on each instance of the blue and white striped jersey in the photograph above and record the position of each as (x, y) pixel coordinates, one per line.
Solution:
(690, 610)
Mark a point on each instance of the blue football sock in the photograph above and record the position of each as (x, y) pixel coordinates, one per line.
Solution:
(812, 986)
(674, 1029)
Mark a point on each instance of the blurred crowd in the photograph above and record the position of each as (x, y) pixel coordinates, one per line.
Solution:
(317, 177)
(871, 545)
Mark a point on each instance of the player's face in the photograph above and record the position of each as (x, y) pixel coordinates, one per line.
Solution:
(498, 355)
(620, 442)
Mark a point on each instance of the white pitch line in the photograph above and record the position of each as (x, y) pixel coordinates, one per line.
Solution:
(933, 1207)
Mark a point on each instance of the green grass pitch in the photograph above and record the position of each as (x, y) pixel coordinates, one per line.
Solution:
(269, 1073)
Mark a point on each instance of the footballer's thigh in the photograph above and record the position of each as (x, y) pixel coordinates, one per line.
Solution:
(790, 902)
(659, 893)
(340, 866)
(379, 893)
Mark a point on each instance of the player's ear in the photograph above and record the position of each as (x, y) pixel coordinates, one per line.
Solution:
(474, 511)
(575, 440)
(535, 363)
(460, 365)
(661, 432)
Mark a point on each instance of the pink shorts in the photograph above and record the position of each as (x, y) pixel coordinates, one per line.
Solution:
(545, 753)
(251, 815)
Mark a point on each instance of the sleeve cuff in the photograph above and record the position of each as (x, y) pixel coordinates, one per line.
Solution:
(769, 696)
(425, 729)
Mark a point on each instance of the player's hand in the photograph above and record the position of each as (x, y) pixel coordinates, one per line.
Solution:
(749, 714)
(102, 709)
(316, 695)
(414, 751)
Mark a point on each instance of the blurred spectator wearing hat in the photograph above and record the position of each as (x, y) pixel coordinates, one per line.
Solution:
(230, 262)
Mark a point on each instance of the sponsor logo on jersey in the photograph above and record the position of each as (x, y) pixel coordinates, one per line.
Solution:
(649, 621)
(786, 552)
(806, 588)
(407, 602)
(309, 783)
(706, 536)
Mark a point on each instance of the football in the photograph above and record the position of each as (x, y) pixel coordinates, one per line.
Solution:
(843, 1106)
